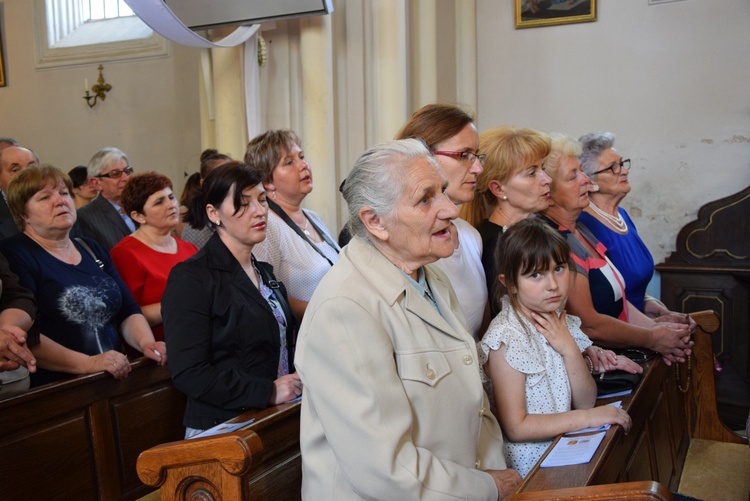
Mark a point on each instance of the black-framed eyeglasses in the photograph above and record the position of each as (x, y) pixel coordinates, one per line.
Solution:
(463, 156)
(616, 167)
(116, 173)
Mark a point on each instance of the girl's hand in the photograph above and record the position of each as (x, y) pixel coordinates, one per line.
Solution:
(608, 414)
(555, 331)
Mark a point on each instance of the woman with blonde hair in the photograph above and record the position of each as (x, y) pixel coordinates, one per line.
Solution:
(512, 186)
(598, 295)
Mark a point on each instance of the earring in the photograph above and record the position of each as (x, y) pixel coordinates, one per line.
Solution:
(273, 194)
(217, 223)
(505, 197)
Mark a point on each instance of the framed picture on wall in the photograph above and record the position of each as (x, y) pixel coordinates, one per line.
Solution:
(2, 62)
(533, 13)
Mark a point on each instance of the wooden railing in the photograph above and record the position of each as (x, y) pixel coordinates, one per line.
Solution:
(259, 462)
(665, 418)
(80, 438)
(262, 461)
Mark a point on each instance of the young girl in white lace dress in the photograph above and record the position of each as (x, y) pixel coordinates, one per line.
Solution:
(535, 356)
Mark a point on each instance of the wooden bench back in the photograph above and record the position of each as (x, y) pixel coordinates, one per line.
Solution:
(262, 461)
(701, 410)
(258, 462)
(80, 438)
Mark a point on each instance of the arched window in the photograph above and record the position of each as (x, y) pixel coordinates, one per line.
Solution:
(72, 32)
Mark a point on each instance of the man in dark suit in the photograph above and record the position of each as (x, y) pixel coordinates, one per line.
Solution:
(103, 219)
(13, 159)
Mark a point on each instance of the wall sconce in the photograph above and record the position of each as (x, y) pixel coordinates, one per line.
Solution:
(99, 89)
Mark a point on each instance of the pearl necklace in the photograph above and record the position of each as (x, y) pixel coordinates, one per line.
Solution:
(305, 230)
(617, 222)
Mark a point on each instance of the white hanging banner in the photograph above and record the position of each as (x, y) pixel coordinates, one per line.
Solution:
(162, 20)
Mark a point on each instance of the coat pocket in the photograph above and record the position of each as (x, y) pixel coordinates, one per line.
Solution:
(426, 367)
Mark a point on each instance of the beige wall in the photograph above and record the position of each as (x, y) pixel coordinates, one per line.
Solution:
(671, 80)
(152, 112)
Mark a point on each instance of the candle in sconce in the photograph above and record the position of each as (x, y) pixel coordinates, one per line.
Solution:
(86, 85)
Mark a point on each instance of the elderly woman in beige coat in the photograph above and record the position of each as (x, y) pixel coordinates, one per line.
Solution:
(393, 406)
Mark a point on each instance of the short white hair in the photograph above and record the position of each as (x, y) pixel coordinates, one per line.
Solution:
(378, 179)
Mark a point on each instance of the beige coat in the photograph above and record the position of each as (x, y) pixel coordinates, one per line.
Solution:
(393, 405)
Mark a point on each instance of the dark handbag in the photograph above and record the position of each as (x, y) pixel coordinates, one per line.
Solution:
(615, 381)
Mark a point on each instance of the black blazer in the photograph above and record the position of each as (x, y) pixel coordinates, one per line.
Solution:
(222, 337)
(100, 221)
(8, 226)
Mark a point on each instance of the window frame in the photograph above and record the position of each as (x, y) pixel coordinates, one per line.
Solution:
(154, 46)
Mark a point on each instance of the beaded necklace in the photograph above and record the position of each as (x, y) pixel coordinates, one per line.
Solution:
(617, 222)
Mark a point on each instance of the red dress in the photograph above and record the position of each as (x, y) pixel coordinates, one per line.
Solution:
(145, 272)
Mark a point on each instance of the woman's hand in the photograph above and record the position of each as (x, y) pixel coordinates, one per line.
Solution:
(111, 361)
(602, 360)
(285, 388)
(627, 365)
(507, 481)
(606, 360)
(13, 350)
(672, 341)
(156, 351)
(677, 318)
(609, 414)
(555, 331)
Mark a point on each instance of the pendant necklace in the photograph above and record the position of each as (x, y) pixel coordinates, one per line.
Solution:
(617, 222)
(305, 230)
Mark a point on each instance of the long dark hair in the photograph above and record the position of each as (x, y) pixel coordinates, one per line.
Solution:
(216, 188)
(527, 246)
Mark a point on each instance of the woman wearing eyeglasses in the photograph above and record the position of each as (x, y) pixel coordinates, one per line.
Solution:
(598, 295)
(512, 187)
(612, 225)
(450, 134)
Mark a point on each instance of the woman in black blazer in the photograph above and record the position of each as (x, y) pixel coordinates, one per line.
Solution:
(228, 326)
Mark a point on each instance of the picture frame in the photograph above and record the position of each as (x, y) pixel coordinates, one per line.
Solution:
(2, 62)
(535, 13)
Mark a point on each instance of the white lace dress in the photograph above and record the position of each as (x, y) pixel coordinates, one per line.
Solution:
(547, 383)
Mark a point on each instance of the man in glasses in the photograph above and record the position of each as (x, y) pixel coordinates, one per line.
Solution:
(103, 219)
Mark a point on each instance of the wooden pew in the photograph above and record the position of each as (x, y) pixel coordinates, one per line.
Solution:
(665, 420)
(80, 438)
(261, 461)
(710, 269)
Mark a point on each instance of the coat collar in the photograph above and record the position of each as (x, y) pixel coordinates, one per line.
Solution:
(392, 284)
(220, 258)
(108, 210)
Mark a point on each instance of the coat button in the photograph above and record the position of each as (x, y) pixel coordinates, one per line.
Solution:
(468, 359)
(430, 374)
